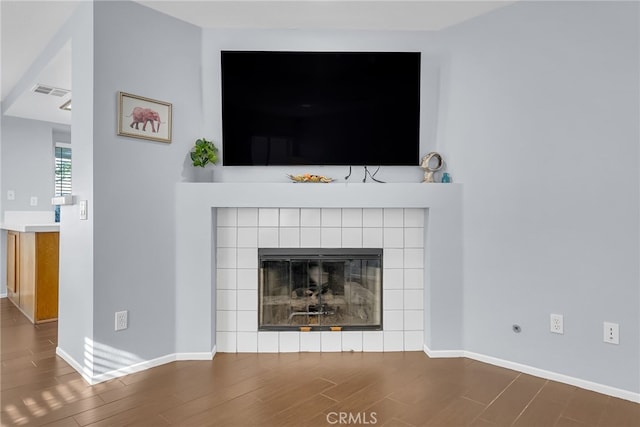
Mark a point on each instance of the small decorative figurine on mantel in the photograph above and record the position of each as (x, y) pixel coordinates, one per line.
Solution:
(429, 166)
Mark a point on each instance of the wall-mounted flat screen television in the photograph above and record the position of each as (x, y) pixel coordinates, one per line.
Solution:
(320, 108)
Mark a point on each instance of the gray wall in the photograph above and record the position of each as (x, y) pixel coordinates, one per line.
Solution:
(122, 257)
(75, 301)
(28, 165)
(541, 118)
(134, 179)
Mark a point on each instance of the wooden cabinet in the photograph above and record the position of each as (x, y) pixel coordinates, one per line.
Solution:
(32, 273)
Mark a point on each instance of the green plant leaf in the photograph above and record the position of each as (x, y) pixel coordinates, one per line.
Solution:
(204, 152)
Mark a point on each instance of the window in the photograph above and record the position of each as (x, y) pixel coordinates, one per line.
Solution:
(62, 173)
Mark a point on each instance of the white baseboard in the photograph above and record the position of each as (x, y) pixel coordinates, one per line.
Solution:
(86, 375)
(537, 372)
(554, 376)
(3, 294)
(137, 367)
(435, 354)
(197, 356)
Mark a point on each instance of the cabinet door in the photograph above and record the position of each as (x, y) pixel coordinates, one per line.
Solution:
(46, 276)
(12, 263)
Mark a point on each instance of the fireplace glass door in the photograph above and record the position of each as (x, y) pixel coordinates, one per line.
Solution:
(320, 288)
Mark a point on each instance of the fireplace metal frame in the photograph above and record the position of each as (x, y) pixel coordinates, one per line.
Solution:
(322, 254)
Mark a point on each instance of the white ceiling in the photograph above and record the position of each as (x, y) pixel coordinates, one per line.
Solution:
(306, 14)
(38, 106)
(28, 26)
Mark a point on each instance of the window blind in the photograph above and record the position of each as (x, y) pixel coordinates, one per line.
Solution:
(63, 171)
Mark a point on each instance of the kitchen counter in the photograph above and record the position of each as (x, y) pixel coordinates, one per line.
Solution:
(29, 222)
(31, 228)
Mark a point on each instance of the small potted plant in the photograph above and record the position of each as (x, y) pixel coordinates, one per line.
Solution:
(203, 153)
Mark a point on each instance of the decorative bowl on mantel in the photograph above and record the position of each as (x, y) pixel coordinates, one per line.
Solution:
(307, 177)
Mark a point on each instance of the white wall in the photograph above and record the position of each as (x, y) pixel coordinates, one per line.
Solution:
(541, 118)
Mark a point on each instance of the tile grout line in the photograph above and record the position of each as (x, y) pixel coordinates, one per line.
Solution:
(530, 401)
(495, 398)
(505, 389)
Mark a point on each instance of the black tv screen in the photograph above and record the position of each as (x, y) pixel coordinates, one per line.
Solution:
(320, 108)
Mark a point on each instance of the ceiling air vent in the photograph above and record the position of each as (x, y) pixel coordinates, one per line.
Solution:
(59, 92)
(50, 90)
(42, 89)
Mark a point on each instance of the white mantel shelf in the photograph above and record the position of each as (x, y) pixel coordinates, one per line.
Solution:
(196, 213)
(338, 195)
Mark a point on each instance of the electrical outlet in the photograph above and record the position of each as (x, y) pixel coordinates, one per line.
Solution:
(34, 201)
(557, 324)
(11, 195)
(121, 320)
(611, 333)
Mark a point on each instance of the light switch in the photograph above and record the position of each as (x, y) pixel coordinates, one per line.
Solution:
(34, 201)
(11, 195)
(83, 209)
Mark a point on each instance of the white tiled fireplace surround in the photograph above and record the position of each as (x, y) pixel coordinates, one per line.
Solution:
(241, 231)
(220, 227)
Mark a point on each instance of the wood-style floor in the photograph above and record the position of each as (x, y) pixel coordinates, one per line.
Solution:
(295, 389)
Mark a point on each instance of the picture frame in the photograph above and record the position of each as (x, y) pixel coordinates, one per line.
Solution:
(144, 118)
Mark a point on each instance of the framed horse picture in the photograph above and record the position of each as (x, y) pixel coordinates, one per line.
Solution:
(145, 118)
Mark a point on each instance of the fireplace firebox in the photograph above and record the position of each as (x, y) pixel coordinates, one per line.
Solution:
(319, 289)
